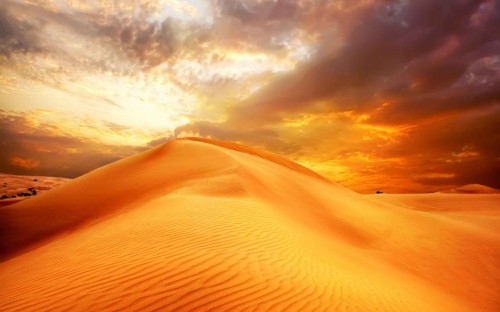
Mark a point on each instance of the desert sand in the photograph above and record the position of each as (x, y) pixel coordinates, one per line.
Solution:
(11, 185)
(472, 189)
(198, 225)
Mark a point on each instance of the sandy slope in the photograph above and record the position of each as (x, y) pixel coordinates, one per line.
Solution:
(472, 189)
(199, 226)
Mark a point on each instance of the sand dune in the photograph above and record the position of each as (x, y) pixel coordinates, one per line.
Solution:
(472, 189)
(211, 226)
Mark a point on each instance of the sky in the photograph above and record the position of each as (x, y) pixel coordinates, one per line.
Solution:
(394, 95)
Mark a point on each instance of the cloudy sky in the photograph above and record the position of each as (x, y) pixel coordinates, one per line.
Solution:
(399, 95)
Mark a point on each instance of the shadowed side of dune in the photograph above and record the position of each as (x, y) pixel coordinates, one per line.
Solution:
(105, 191)
(125, 183)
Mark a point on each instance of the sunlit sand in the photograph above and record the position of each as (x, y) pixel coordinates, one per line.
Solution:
(198, 225)
(14, 188)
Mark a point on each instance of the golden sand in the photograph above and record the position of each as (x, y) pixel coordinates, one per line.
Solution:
(209, 226)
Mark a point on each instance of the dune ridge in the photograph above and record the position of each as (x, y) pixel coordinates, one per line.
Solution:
(262, 154)
(202, 225)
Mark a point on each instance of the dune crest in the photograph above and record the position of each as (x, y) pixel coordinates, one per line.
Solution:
(206, 225)
(262, 154)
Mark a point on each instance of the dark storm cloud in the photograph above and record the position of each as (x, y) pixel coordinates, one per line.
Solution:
(52, 154)
(415, 51)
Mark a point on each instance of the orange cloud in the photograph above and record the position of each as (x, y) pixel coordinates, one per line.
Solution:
(25, 163)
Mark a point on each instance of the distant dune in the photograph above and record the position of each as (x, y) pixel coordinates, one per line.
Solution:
(472, 189)
(12, 186)
(200, 225)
